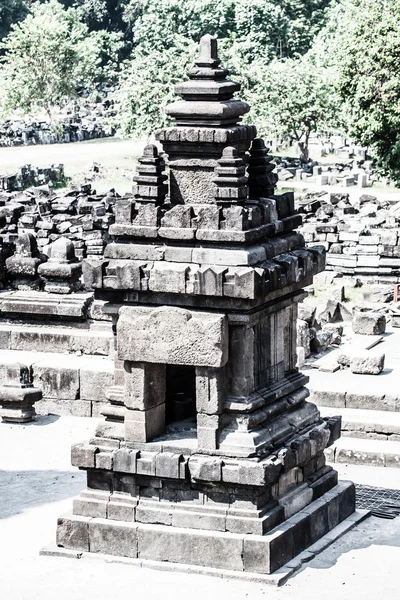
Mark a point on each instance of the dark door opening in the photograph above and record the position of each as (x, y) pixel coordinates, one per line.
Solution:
(180, 394)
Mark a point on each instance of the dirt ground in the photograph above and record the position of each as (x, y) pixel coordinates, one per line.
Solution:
(37, 484)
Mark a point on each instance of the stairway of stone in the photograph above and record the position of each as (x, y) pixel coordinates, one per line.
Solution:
(65, 343)
(369, 406)
(369, 437)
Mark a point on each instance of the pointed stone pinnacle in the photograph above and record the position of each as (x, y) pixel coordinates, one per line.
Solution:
(208, 54)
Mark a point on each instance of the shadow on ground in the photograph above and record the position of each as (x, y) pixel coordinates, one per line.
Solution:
(21, 490)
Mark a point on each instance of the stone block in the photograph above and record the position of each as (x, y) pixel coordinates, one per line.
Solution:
(168, 277)
(154, 512)
(144, 425)
(56, 379)
(83, 455)
(266, 554)
(125, 460)
(94, 382)
(369, 323)
(296, 499)
(73, 532)
(171, 335)
(91, 505)
(121, 507)
(205, 468)
(367, 363)
(327, 398)
(216, 256)
(116, 538)
(207, 431)
(78, 408)
(209, 390)
(144, 386)
(198, 520)
(209, 549)
(167, 465)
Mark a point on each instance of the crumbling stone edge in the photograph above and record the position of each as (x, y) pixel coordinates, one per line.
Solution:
(276, 579)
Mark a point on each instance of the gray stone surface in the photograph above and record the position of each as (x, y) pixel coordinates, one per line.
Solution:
(172, 336)
(208, 431)
(369, 323)
(367, 364)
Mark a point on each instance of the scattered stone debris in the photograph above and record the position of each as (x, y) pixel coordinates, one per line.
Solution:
(41, 215)
(367, 322)
(367, 364)
(87, 122)
(360, 236)
(28, 176)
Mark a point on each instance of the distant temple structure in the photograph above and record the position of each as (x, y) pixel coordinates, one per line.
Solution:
(209, 453)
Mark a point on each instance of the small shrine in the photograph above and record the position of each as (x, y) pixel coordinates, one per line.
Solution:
(209, 453)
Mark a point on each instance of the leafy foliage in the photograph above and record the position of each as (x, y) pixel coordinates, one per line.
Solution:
(48, 57)
(296, 100)
(258, 28)
(361, 42)
(146, 87)
(11, 11)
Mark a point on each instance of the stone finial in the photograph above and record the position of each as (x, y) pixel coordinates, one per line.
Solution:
(26, 245)
(208, 52)
(208, 96)
(62, 272)
(22, 266)
(230, 180)
(150, 180)
(17, 395)
(62, 251)
(262, 180)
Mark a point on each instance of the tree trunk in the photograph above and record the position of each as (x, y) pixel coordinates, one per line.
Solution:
(304, 156)
(48, 111)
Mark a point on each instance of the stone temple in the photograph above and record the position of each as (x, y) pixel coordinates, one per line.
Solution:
(209, 453)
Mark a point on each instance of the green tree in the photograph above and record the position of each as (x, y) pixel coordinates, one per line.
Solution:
(146, 87)
(48, 58)
(367, 58)
(264, 28)
(11, 11)
(292, 99)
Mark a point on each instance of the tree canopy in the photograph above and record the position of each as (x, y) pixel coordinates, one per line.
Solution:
(48, 58)
(304, 65)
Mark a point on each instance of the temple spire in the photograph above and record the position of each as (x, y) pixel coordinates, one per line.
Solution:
(207, 98)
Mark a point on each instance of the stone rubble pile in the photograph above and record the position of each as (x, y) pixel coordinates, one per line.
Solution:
(359, 173)
(79, 216)
(91, 121)
(28, 176)
(318, 328)
(334, 323)
(360, 235)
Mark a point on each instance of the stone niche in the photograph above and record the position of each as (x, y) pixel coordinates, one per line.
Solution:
(209, 453)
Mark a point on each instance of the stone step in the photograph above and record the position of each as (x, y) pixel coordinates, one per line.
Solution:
(369, 452)
(344, 389)
(366, 424)
(96, 339)
(32, 303)
(71, 384)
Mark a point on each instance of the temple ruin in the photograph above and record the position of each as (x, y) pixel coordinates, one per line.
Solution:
(209, 453)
